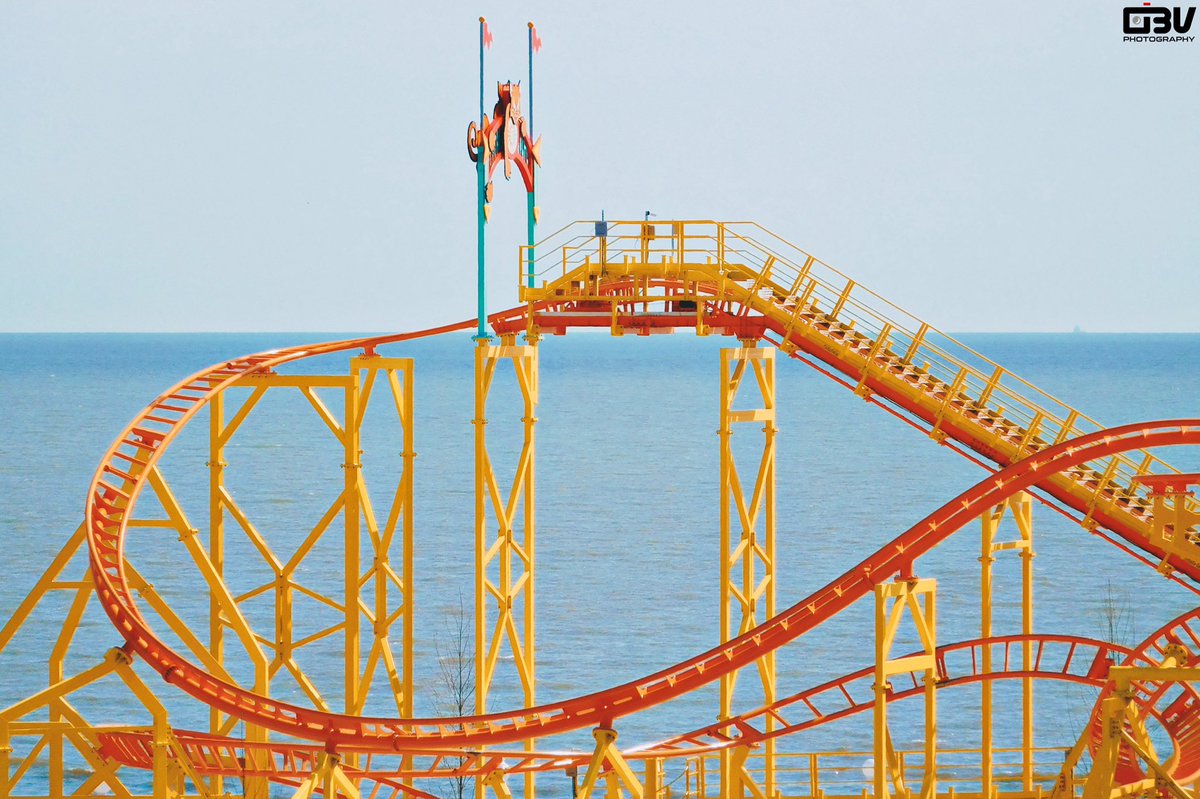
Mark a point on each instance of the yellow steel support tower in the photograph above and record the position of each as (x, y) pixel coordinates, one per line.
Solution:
(378, 595)
(389, 601)
(1021, 508)
(747, 569)
(891, 601)
(504, 563)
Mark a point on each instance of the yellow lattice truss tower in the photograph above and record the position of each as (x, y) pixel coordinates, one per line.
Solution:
(504, 555)
(747, 546)
(375, 603)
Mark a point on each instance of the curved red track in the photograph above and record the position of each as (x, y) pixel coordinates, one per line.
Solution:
(115, 489)
(1054, 657)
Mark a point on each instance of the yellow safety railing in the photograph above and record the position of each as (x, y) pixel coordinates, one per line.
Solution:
(848, 775)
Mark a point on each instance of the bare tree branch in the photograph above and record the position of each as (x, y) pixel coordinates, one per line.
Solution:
(454, 691)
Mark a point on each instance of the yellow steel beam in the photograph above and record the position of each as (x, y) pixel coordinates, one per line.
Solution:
(216, 550)
(352, 515)
(63, 687)
(57, 670)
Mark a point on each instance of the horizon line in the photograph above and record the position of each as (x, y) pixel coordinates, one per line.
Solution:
(584, 331)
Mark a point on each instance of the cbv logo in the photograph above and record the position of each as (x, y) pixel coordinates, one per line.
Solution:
(1158, 19)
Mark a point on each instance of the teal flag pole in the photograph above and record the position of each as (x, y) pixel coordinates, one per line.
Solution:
(481, 187)
(531, 199)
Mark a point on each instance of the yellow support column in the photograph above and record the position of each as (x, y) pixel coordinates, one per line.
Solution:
(1023, 513)
(5, 760)
(891, 601)
(990, 523)
(747, 568)
(654, 775)
(219, 434)
(504, 564)
(1021, 507)
(367, 372)
(216, 546)
(352, 515)
(58, 707)
(397, 375)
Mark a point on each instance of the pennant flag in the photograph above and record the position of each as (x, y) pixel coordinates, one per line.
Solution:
(487, 34)
(534, 39)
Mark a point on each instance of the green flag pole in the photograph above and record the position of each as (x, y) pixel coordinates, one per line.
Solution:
(531, 200)
(481, 187)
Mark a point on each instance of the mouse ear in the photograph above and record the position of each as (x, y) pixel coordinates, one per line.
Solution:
(474, 141)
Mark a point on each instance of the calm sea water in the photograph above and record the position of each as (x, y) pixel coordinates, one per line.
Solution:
(627, 510)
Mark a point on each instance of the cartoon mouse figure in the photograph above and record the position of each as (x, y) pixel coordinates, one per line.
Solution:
(505, 137)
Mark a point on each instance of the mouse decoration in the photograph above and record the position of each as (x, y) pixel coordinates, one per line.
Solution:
(505, 137)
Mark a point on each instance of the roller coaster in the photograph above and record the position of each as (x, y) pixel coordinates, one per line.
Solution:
(637, 277)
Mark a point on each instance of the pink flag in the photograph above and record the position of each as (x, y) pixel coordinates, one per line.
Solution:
(487, 35)
(537, 42)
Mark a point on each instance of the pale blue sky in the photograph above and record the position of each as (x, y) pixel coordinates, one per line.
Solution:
(281, 166)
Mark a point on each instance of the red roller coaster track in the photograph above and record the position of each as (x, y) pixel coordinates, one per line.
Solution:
(1056, 658)
(117, 484)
